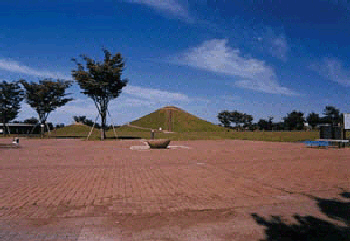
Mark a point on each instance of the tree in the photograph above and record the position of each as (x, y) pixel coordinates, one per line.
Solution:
(279, 125)
(11, 95)
(247, 120)
(263, 124)
(267, 125)
(101, 81)
(236, 117)
(224, 118)
(91, 123)
(332, 115)
(270, 123)
(32, 120)
(61, 125)
(46, 96)
(80, 119)
(294, 120)
(313, 119)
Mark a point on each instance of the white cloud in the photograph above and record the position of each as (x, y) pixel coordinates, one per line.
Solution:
(79, 107)
(216, 56)
(129, 102)
(26, 112)
(16, 67)
(154, 95)
(333, 69)
(167, 7)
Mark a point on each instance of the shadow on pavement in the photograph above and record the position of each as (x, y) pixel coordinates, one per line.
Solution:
(309, 227)
(129, 137)
(123, 138)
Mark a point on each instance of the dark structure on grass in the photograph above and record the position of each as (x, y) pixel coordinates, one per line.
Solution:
(20, 128)
(331, 132)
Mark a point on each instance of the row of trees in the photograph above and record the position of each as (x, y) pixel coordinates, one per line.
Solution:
(226, 118)
(293, 121)
(296, 119)
(100, 81)
(44, 97)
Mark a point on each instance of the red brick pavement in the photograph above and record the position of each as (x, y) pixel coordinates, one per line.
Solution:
(55, 179)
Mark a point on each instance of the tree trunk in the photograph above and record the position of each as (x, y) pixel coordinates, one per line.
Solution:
(3, 123)
(42, 129)
(103, 126)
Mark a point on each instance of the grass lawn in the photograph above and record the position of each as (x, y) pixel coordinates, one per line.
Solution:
(254, 136)
(130, 133)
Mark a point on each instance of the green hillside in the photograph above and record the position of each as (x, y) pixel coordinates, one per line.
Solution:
(172, 119)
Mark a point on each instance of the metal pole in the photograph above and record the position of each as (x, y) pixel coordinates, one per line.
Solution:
(115, 134)
(92, 127)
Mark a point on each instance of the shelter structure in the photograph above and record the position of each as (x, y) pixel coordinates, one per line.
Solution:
(331, 132)
(19, 128)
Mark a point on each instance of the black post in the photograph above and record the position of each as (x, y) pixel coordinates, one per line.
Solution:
(42, 129)
(3, 123)
(103, 126)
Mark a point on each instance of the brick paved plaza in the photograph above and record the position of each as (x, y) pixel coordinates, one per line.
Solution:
(86, 190)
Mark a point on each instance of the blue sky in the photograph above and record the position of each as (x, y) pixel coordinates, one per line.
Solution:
(264, 58)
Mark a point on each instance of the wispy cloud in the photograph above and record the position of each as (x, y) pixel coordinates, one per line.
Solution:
(166, 7)
(154, 94)
(271, 41)
(216, 56)
(17, 67)
(79, 107)
(132, 99)
(333, 69)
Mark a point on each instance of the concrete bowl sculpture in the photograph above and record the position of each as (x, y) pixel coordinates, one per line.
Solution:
(158, 144)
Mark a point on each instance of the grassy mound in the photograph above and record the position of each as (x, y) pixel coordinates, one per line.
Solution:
(172, 119)
(75, 130)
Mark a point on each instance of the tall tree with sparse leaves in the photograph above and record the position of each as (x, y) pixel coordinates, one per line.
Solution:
(11, 95)
(46, 96)
(101, 81)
